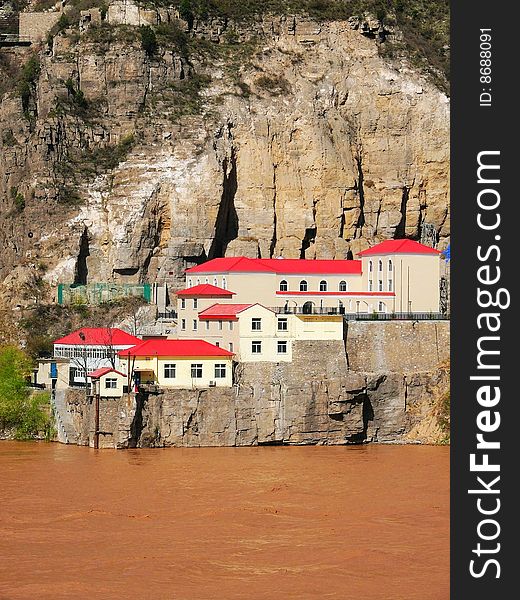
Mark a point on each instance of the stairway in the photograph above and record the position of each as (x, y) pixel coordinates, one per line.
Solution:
(66, 434)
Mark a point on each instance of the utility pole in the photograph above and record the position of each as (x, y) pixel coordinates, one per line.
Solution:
(96, 421)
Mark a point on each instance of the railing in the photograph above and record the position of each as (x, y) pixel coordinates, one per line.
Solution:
(167, 315)
(8, 39)
(360, 316)
(314, 310)
(413, 316)
(150, 388)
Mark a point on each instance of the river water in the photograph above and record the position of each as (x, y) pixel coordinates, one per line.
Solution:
(356, 522)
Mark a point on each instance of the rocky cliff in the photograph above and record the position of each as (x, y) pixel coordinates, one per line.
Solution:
(385, 388)
(124, 159)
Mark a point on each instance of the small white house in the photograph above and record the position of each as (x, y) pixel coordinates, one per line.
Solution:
(107, 382)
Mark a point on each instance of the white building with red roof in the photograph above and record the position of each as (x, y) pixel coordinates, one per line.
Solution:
(107, 382)
(91, 348)
(259, 334)
(178, 364)
(399, 276)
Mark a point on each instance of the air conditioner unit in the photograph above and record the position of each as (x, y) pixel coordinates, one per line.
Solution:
(212, 383)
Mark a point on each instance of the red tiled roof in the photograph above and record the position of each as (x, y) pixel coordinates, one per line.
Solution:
(225, 312)
(99, 336)
(233, 263)
(205, 289)
(281, 266)
(399, 247)
(103, 371)
(175, 348)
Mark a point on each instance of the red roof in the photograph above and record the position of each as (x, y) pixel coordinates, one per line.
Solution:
(99, 336)
(227, 312)
(281, 266)
(399, 247)
(103, 371)
(175, 348)
(205, 289)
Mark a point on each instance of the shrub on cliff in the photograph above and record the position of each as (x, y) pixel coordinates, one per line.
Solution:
(148, 40)
(24, 413)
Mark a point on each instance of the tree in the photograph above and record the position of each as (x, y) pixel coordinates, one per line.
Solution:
(20, 409)
(148, 40)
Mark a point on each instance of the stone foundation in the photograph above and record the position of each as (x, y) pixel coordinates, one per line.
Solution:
(316, 399)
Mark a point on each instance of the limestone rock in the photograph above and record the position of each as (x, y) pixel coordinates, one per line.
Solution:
(328, 150)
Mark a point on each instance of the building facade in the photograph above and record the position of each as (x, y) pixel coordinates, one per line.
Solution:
(92, 348)
(185, 364)
(393, 276)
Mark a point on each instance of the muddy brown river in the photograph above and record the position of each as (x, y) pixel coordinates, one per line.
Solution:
(363, 522)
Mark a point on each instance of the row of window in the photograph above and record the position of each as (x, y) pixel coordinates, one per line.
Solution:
(380, 266)
(170, 371)
(256, 324)
(304, 286)
(390, 287)
(195, 303)
(79, 352)
(215, 282)
(195, 325)
(281, 347)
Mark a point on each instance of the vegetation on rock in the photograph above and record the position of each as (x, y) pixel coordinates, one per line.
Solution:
(24, 413)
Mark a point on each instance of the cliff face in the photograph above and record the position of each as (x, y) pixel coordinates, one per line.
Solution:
(325, 396)
(300, 141)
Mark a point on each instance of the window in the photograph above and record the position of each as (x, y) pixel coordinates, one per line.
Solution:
(217, 344)
(207, 325)
(110, 384)
(198, 281)
(231, 346)
(220, 325)
(189, 282)
(390, 285)
(380, 285)
(370, 266)
(206, 280)
(195, 302)
(342, 286)
(220, 371)
(195, 323)
(196, 370)
(183, 303)
(224, 283)
(303, 286)
(323, 286)
(282, 347)
(380, 266)
(382, 307)
(283, 286)
(169, 371)
(256, 347)
(231, 326)
(256, 324)
(370, 285)
(282, 324)
(183, 324)
(390, 266)
(215, 281)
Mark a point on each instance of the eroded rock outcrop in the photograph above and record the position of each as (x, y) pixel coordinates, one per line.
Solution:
(300, 141)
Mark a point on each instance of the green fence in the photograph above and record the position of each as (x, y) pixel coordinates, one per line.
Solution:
(96, 293)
